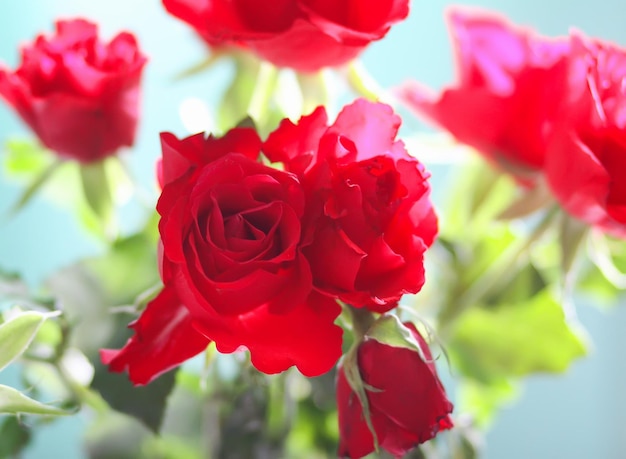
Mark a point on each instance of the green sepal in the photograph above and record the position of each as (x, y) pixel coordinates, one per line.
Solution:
(355, 381)
(388, 329)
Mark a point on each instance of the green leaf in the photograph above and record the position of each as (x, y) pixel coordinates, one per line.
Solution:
(15, 437)
(477, 196)
(130, 268)
(515, 340)
(146, 403)
(13, 401)
(483, 400)
(34, 187)
(17, 333)
(24, 158)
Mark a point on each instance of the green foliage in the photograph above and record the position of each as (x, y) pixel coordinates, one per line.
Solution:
(15, 437)
(516, 339)
(13, 401)
(492, 347)
(17, 333)
(146, 403)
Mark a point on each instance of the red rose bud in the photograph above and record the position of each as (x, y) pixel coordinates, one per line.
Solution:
(369, 218)
(405, 403)
(511, 82)
(586, 159)
(305, 35)
(78, 94)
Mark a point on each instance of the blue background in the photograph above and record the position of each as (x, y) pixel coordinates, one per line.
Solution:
(580, 415)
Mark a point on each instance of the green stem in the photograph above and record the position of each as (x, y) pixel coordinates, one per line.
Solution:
(267, 77)
(314, 89)
(362, 320)
(496, 275)
(364, 84)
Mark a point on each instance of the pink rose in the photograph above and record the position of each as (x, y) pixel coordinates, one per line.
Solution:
(510, 86)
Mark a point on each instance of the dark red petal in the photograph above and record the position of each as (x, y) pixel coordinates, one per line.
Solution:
(164, 338)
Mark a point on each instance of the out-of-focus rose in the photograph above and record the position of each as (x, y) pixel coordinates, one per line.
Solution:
(587, 156)
(232, 256)
(369, 217)
(407, 403)
(305, 35)
(511, 82)
(79, 95)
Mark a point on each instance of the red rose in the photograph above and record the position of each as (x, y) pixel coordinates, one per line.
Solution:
(407, 402)
(231, 253)
(587, 157)
(302, 34)
(369, 217)
(78, 94)
(511, 83)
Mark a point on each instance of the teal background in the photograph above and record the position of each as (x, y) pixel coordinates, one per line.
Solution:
(580, 415)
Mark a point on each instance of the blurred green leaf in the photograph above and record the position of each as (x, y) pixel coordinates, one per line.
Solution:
(475, 198)
(604, 274)
(24, 158)
(129, 268)
(146, 403)
(13, 401)
(15, 437)
(17, 333)
(515, 340)
(483, 400)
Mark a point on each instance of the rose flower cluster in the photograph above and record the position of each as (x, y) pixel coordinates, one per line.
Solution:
(263, 242)
(257, 257)
(547, 111)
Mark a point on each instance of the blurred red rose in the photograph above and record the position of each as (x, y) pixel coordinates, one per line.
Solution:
(511, 83)
(79, 95)
(369, 217)
(231, 253)
(407, 402)
(587, 156)
(305, 35)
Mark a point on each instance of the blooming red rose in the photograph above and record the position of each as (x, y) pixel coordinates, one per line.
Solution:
(587, 156)
(369, 217)
(511, 83)
(407, 402)
(302, 34)
(232, 256)
(78, 94)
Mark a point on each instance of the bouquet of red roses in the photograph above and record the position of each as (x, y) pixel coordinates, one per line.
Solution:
(292, 288)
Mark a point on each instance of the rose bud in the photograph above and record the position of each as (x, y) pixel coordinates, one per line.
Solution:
(389, 394)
